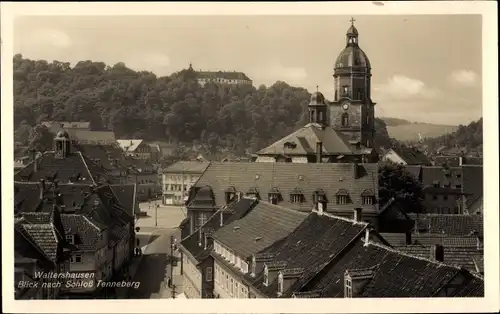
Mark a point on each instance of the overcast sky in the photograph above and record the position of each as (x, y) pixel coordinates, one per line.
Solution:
(425, 68)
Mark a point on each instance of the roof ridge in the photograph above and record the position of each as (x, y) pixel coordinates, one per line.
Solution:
(410, 255)
(86, 166)
(282, 207)
(330, 215)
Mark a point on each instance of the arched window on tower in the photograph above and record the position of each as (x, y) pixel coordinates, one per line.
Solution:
(320, 117)
(345, 91)
(345, 119)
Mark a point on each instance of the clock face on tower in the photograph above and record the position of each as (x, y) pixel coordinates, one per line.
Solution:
(345, 106)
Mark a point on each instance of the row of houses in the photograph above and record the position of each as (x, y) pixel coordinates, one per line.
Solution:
(255, 249)
(71, 219)
(413, 156)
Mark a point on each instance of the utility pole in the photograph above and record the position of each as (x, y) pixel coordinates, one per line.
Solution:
(172, 246)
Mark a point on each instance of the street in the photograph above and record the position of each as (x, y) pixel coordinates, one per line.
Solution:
(154, 240)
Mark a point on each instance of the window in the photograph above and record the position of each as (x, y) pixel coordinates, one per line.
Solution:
(227, 282)
(345, 119)
(208, 274)
(342, 199)
(236, 289)
(458, 186)
(70, 239)
(266, 276)
(296, 198)
(202, 218)
(347, 287)
(77, 258)
(244, 267)
(232, 286)
(367, 200)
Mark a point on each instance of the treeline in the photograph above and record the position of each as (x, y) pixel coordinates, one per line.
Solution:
(138, 104)
(470, 136)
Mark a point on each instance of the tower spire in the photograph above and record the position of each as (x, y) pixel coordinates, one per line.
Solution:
(352, 21)
(317, 88)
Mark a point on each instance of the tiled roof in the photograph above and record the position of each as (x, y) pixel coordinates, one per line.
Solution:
(304, 142)
(472, 181)
(74, 168)
(44, 236)
(451, 224)
(66, 124)
(263, 226)
(459, 256)
(85, 231)
(315, 243)
(88, 136)
(475, 288)
(187, 167)
(126, 194)
(290, 177)
(195, 242)
(412, 156)
(109, 156)
(26, 249)
(223, 74)
(444, 176)
(129, 145)
(399, 239)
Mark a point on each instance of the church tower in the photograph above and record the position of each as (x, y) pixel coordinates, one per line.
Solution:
(352, 110)
(318, 109)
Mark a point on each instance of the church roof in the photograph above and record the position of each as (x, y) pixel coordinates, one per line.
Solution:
(352, 56)
(304, 142)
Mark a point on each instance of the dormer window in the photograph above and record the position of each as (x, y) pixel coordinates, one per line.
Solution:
(342, 197)
(70, 239)
(230, 194)
(347, 287)
(266, 276)
(296, 196)
(253, 192)
(274, 196)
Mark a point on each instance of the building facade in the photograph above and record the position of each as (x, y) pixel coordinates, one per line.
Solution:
(177, 180)
(137, 149)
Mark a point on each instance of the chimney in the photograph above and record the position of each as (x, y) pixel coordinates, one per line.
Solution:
(460, 161)
(321, 207)
(408, 238)
(258, 262)
(367, 236)
(42, 188)
(358, 214)
(437, 253)
(35, 162)
(221, 218)
(355, 169)
(205, 240)
(319, 151)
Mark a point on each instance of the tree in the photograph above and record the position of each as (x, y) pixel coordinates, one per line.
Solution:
(41, 138)
(140, 104)
(395, 181)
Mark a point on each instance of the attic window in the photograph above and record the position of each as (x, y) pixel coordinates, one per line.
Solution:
(291, 145)
(296, 196)
(274, 196)
(253, 192)
(70, 239)
(367, 200)
(342, 197)
(230, 194)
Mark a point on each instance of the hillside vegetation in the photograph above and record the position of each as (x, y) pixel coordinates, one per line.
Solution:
(409, 132)
(470, 136)
(138, 104)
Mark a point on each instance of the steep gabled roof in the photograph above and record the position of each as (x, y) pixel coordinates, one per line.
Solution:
(412, 155)
(195, 167)
(449, 224)
(129, 145)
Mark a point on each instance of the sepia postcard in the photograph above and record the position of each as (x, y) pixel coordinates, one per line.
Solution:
(322, 157)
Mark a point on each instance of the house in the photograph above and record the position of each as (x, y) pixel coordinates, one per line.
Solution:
(450, 190)
(98, 228)
(177, 180)
(359, 263)
(145, 175)
(79, 136)
(56, 126)
(137, 149)
(337, 188)
(197, 264)
(456, 161)
(406, 156)
(221, 77)
(235, 243)
(110, 157)
(40, 247)
(63, 164)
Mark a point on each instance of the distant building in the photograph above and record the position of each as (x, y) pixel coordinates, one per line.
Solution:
(222, 77)
(81, 132)
(456, 161)
(137, 149)
(178, 180)
(406, 156)
(450, 190)
(342, 130)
